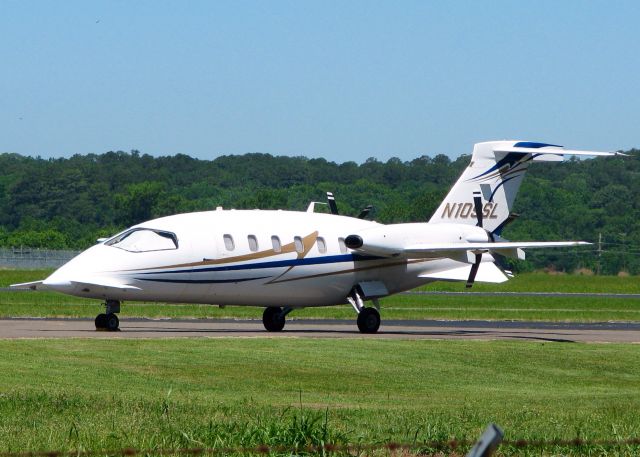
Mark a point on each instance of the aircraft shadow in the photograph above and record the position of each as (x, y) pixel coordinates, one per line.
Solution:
(445, 334)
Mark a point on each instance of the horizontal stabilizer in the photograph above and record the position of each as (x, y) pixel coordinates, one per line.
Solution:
(487, 272)
(557, 150)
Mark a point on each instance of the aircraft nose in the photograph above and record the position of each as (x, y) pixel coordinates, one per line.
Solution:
(62, 279)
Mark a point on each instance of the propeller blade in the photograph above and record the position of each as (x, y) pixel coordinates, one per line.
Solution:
(332, 203)
(474, 271)
(477, 202)
(365, 212)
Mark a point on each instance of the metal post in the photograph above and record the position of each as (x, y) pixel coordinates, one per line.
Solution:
(488, 442)
(599, 253)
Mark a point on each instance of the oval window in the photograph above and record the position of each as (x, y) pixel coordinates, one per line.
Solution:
(253, 243)
(322, 245)
(343, 247)
(275, 242)
(228, 242)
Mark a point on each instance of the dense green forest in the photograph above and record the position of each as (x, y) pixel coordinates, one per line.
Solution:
(68, 203)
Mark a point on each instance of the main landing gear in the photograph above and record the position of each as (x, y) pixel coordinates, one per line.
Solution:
(108, 320)
(368, 318)
(273, 318)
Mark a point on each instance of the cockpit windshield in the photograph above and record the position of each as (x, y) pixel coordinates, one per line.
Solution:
(144, 240)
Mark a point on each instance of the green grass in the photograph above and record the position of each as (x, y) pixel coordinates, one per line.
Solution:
(468, 306)
(95, 394)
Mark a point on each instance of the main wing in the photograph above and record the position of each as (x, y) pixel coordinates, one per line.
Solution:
(506, 248)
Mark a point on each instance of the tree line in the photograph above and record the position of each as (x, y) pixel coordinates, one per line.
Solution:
(70, 202)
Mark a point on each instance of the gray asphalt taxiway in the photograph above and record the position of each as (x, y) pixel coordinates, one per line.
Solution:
(606, 332)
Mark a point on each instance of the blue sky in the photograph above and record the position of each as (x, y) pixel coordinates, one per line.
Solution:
(339, 80)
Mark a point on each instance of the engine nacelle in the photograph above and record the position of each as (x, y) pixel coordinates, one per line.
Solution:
(391, 240)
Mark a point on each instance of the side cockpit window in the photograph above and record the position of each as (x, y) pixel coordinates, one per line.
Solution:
(144, 240)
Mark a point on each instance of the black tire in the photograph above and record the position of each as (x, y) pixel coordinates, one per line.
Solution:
(369, 320)
(273, 319)
(112, 322)
(101, 321)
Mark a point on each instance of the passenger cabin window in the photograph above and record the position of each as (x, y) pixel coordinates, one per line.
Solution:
(322, 246)
(253, 243)
(144, 240)
(343, 247)
(275, 242)
(228, 242)
(297, 241)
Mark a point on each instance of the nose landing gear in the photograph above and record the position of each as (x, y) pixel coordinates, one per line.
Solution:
(108, 320)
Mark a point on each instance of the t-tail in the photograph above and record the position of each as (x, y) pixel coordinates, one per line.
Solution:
(494, 175)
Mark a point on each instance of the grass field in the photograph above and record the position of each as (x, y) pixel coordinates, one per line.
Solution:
(92, 394)
(579, 309)
(76, 394)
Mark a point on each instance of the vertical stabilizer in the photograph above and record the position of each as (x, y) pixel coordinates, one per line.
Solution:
(496, 171)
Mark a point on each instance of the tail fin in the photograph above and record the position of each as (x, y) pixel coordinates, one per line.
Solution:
(496, 170)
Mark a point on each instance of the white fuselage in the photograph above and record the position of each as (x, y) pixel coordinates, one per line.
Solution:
(249, 257)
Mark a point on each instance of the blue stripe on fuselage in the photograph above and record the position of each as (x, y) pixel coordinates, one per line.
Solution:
(276, 264)
(201, 281)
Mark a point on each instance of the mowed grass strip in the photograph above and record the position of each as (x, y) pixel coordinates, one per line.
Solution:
(463, 306)
(108, 394)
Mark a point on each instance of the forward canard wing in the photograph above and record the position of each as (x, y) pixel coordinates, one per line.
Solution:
(101, 284)
(33, 285)
(105, 286)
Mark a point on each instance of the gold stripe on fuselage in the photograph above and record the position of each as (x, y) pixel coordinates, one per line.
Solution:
(307, 241)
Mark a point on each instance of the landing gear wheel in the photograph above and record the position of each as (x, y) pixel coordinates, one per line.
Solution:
(109, 321)
(273, 319)
(101, 321)
(113, 323)
(368, 320)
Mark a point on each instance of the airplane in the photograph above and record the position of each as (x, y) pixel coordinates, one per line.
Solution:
(286, 260)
